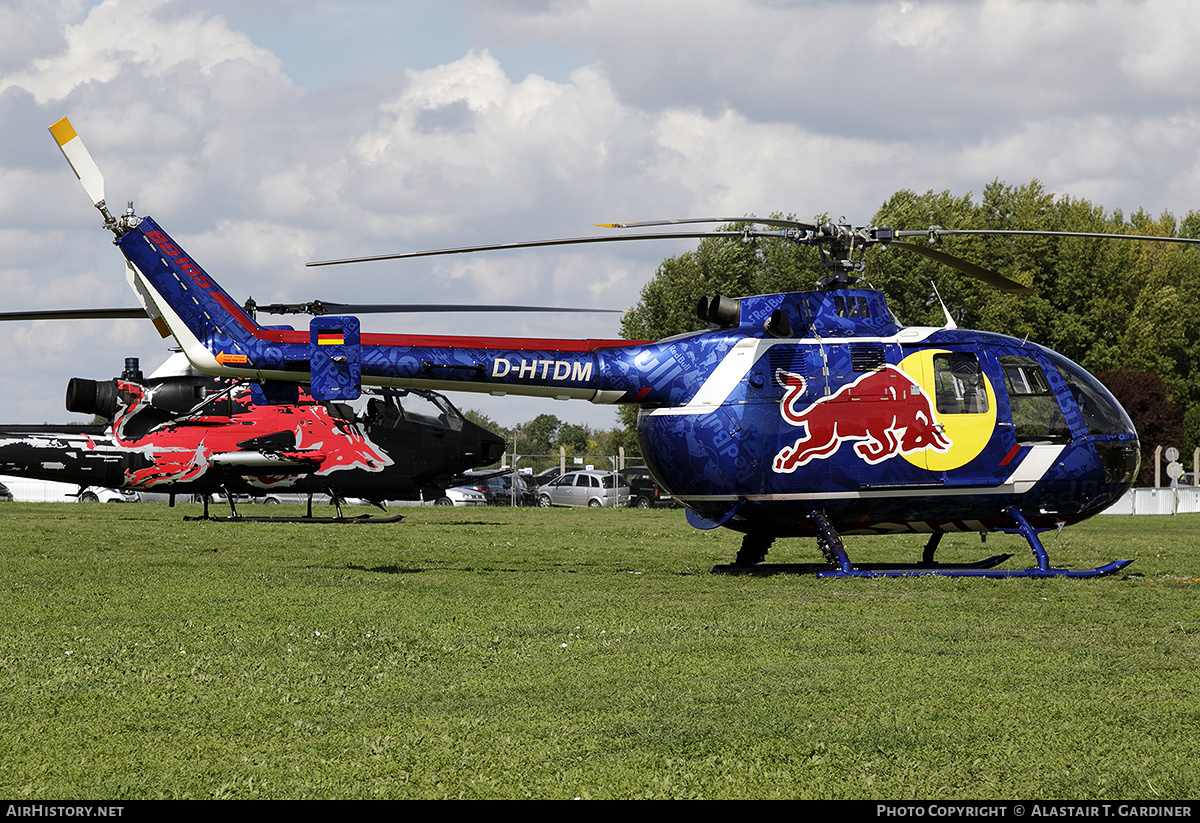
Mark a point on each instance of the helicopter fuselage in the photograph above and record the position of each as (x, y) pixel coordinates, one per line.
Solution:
(790, 403)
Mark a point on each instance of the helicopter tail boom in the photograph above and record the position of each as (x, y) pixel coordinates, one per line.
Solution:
(219, 337)
(210, 327)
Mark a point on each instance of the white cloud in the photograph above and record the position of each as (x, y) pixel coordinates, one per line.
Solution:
(120, 35)
(32, 28)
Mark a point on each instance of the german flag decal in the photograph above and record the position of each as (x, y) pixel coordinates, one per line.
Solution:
(330, 337)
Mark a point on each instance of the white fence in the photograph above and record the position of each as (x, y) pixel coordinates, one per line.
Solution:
(1157, 501)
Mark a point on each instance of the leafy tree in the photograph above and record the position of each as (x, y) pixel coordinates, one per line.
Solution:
(611, 441)
(1158, 421)
(1191, 433)
(480, 419)
(538, 435)
(573, 437)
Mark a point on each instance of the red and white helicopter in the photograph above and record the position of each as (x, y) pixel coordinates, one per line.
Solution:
(179, 432)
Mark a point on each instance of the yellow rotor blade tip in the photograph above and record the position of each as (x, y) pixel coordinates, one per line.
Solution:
(63, 132)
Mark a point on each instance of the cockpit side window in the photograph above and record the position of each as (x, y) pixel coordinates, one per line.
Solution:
(959, 384)
(1037, 417)
(431, 410)
(390, 408)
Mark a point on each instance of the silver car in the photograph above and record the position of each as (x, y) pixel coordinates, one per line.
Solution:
(587, 488)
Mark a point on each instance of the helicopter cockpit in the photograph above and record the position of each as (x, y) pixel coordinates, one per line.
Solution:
(397, 408)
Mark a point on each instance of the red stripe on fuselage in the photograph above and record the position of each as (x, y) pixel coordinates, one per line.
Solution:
(445, 341)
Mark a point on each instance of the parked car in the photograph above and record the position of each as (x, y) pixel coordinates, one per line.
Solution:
(276, 498)
(499, 488)
(96, 494)
(545, 476)
(5, 495)
(586, 488)
(644, 492)
(462, 496)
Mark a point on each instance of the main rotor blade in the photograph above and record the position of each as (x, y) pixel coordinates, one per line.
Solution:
(988, 276)
(323, 307)
(768, 221)
(529, 244)
(937, 231)
(80, 160)
(75, 314)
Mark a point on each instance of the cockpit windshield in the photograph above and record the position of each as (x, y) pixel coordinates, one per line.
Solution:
(1101, 412)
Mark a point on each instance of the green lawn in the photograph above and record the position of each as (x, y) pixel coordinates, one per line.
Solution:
(560, 654)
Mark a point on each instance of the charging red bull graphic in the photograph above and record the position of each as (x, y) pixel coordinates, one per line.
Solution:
(312, 442)
(885, 412)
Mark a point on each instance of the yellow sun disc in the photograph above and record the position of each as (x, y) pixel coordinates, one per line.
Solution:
(968, 433)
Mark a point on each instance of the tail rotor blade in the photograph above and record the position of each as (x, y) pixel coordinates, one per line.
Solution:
(82, 164)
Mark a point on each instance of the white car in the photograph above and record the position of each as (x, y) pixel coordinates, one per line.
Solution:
(97, 494)
(461, 496)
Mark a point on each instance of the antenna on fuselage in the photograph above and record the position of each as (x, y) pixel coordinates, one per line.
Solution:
(950, 324)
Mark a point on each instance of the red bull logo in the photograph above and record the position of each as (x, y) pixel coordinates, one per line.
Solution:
(184, 453)
(884, 412)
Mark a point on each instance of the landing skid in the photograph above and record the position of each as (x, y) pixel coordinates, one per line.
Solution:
(754, 550)
(234, 517)
(896, 569)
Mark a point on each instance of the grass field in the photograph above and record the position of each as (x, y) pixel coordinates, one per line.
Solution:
(561, 654)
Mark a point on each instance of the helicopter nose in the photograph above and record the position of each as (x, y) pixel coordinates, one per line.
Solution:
(1120, 460)
(492, 448)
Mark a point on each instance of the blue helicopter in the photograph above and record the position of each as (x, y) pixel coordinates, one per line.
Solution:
(804, 414)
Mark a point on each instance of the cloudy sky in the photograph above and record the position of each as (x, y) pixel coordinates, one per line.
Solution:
(266, 133)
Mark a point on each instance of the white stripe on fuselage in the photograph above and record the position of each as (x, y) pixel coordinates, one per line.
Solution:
(1034, 466)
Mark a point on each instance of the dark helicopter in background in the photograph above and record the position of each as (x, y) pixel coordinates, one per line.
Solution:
(811, 413)
(180, 432)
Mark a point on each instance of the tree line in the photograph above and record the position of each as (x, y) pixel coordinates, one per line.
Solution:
(545, 434)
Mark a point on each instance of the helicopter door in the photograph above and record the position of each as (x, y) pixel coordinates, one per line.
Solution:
(862, 396)
(963, 402)
(579, 492)
(1039, 429)
(1037, 417)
